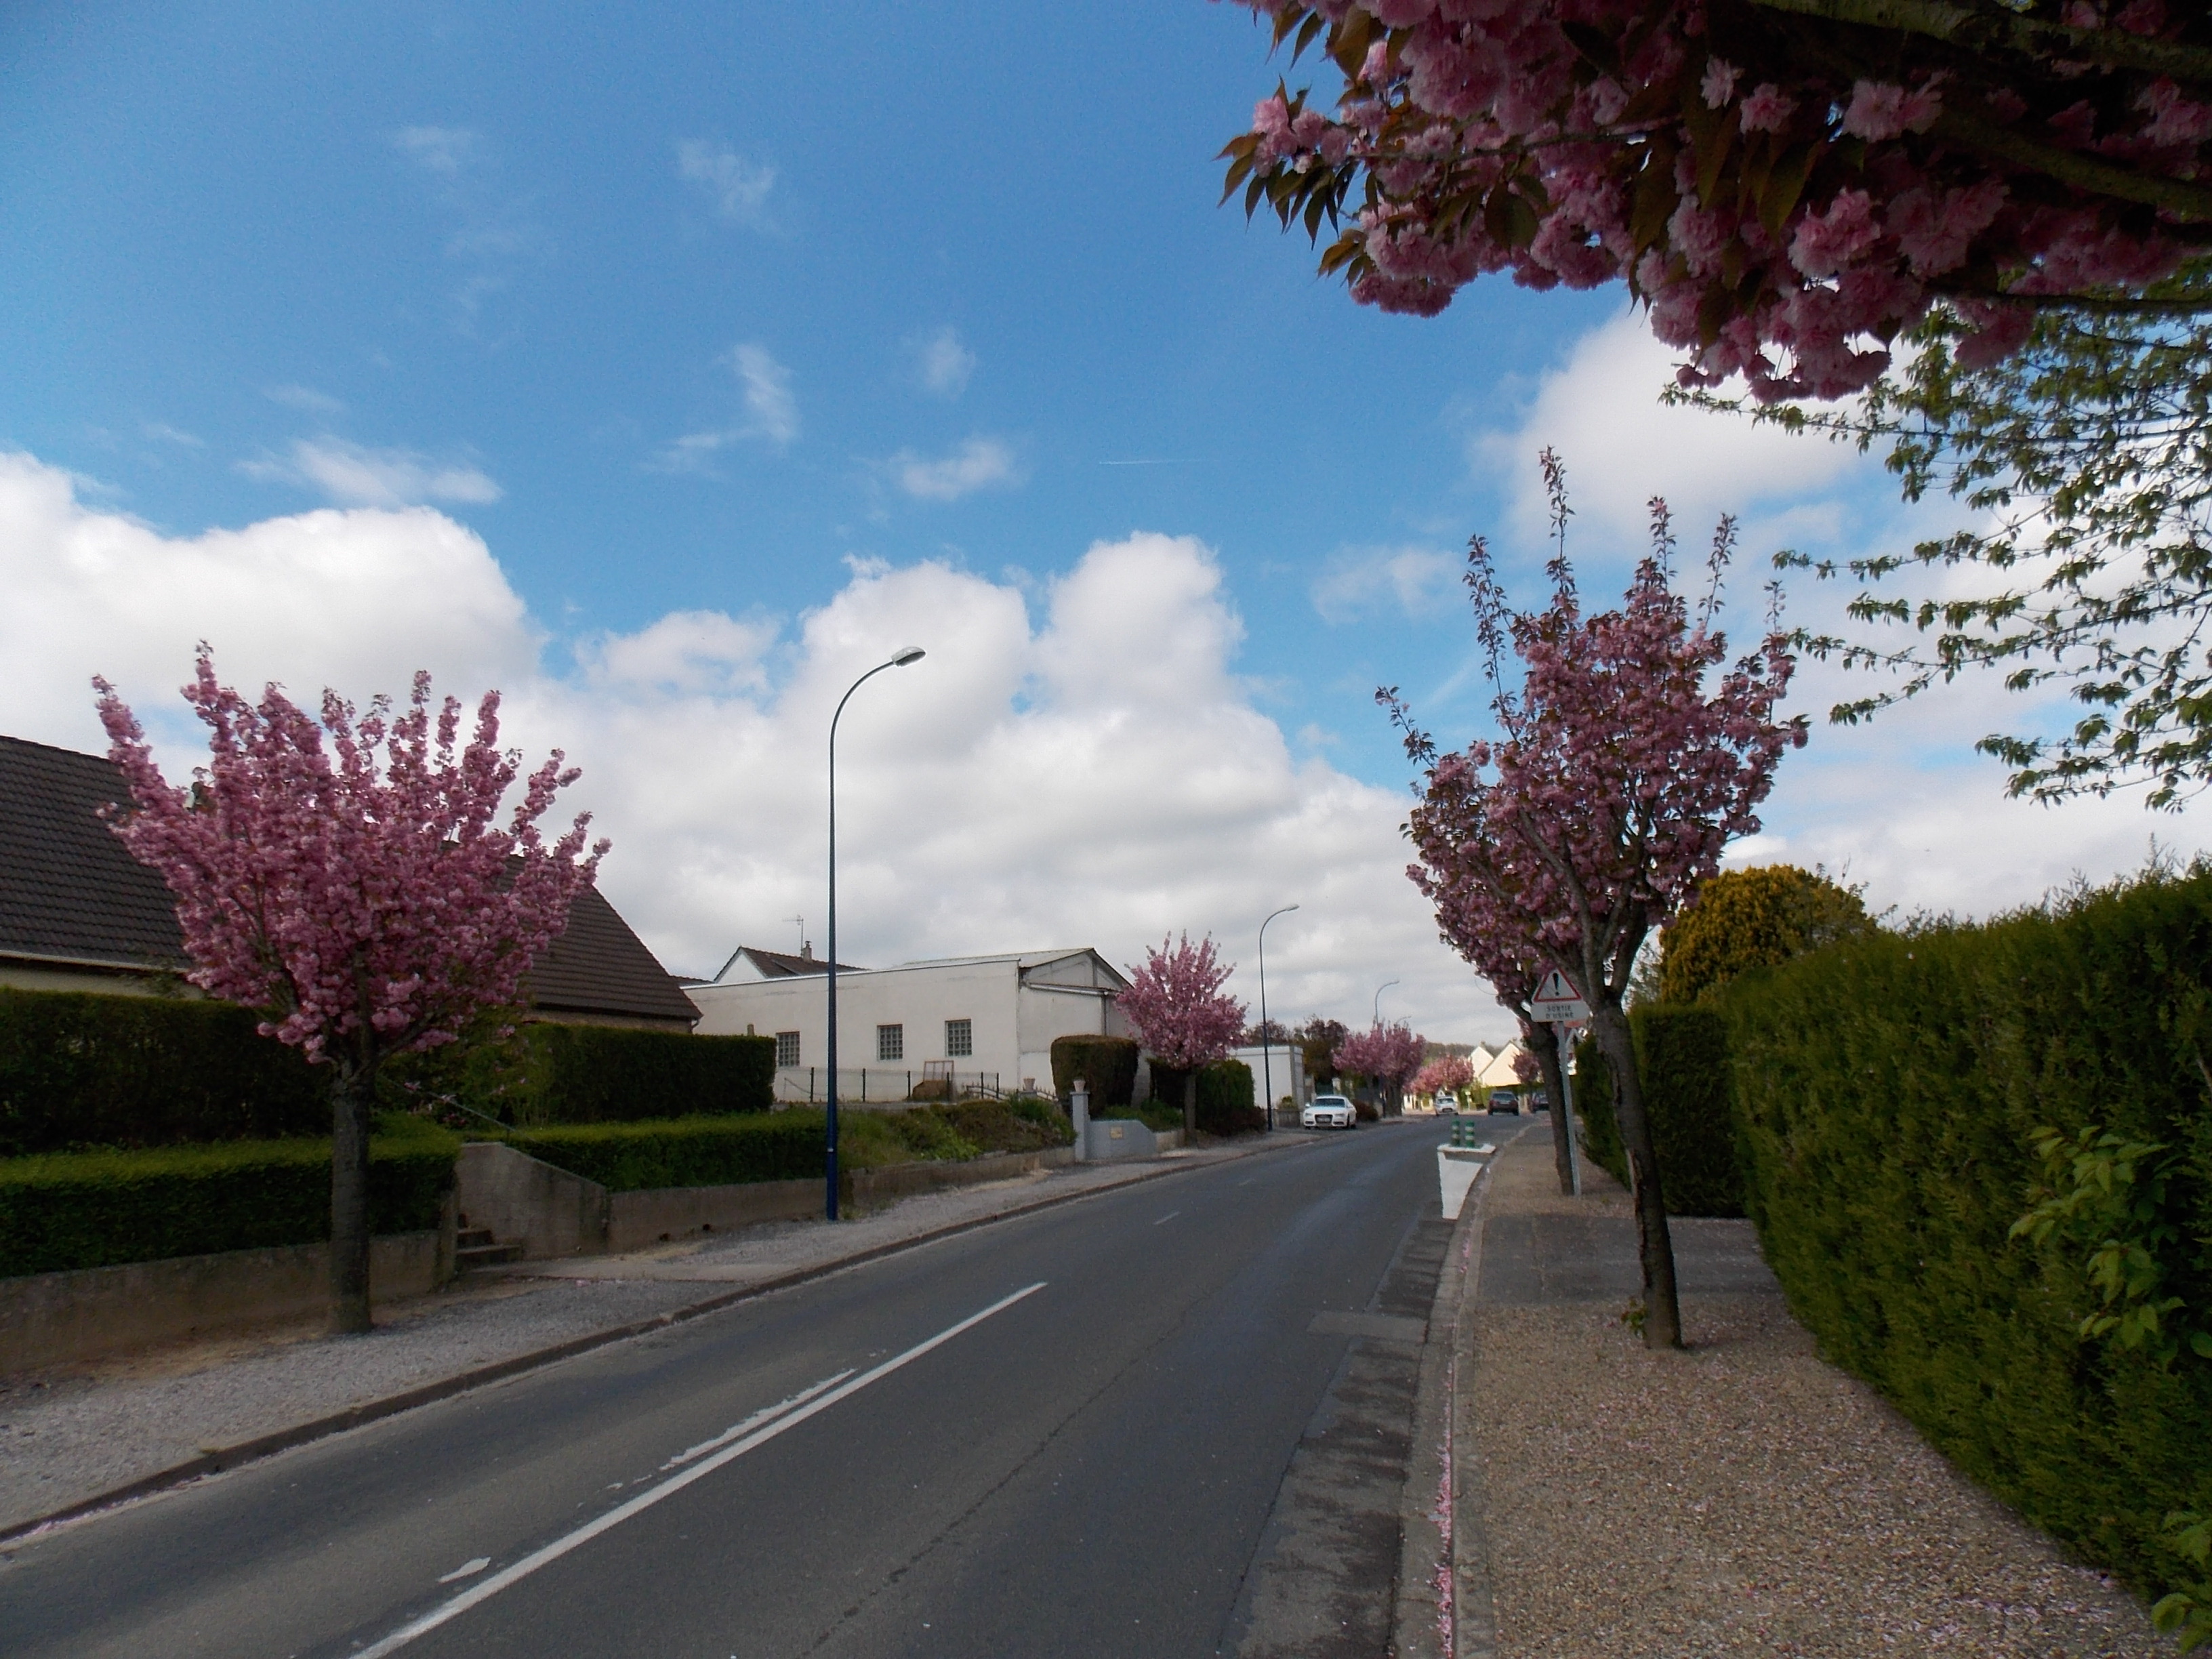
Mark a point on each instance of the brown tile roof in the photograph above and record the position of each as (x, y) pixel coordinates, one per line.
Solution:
(70, 892)
(781, 964)
(67, 888)
(599, 966)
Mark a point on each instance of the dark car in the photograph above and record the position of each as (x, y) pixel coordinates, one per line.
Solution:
(1504, 1099)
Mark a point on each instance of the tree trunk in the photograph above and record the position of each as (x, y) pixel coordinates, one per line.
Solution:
(1543, 1043)
(1663, 1311)
(1190, 1107)
(351, 1093)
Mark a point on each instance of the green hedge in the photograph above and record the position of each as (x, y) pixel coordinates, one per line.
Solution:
(1889, 1092)
(693, 1152)
(64, 1211)
(1225, 1100)
(787, 1145)
(1107, 1064)
(79, 1071)
(1682, 1057)
(548, 1074)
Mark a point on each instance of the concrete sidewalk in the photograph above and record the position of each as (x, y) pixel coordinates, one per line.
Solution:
(1743, 1497)
(86, 1435)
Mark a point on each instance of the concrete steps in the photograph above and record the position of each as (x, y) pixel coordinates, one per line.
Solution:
(474, 1247)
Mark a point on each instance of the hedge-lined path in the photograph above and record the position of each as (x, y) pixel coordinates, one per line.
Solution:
(75, 1434)
(1742, 1498)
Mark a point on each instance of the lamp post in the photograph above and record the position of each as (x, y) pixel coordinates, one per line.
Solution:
(899, 659)
(1266, 1053)
(1379, 990)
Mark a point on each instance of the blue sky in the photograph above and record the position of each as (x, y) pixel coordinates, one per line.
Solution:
(459, 233)
(667, 365)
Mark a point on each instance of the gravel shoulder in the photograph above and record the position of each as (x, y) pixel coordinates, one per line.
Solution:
(1744, 1497)
(69, 1435)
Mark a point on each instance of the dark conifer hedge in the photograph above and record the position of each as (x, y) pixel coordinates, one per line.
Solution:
(80, 1071)
(1906, 1102)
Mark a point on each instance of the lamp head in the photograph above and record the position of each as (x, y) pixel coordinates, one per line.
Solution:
(907, 654)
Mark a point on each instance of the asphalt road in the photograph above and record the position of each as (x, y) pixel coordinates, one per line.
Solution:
(1169, 1419)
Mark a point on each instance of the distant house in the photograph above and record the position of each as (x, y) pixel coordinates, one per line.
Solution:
(990, 1019)
(1498, 1071)
(78, 913)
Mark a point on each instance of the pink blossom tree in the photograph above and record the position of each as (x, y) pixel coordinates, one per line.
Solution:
(1447, 1076)
(351, 880)
(1622, 769)
(1387, 1056)
(1181, 1013)
(1785, 184)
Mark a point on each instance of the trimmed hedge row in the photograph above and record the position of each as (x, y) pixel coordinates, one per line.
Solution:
(1682, 1057)
(1107, 1064)
(787, 1145)
(564, 1074)
(1890, 1092)
(689, 1151)
(80, 1070)
(64, 1211)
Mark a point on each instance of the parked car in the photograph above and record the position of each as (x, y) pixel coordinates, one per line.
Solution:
(1504, 1099)
(1328, 1112)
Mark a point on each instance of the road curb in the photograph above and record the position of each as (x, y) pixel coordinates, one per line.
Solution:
(1444, 1606)
(371, 1411)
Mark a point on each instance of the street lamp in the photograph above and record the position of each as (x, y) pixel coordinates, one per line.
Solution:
(900, 658)
(1379, 990)
(1267, 1070)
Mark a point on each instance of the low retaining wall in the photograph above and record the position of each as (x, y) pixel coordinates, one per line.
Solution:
(552, 1213)
(527, 1201)
(53, 1319)
(663, 1215)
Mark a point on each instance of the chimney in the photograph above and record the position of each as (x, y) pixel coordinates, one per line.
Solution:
(806, 949)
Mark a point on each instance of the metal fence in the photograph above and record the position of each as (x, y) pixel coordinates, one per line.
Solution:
(882, 1085)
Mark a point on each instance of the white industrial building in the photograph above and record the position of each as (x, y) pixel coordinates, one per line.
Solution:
(988, 1019)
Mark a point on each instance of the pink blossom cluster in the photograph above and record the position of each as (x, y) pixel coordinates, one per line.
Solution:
(1177, 1008)
(351, 878)
(1631, 754)
(1447, 1076)
(1782, 218)
(1386, 1054)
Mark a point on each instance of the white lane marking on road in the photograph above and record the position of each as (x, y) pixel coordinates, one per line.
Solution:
(467, 1570)
(1168, 1216)
(738, 1431)
(675, 1483)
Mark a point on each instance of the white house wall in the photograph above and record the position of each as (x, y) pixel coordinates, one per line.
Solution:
(1013, 1024)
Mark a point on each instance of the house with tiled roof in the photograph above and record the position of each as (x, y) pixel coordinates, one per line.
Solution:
(78, 913)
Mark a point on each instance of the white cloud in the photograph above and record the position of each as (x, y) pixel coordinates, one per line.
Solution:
(771, 416)
(304, 397)
(1359, 581)
(441, 149)
(774, 412)
(352, 476)
(738, 187)
(321, 598)
(1078, 762)
(1621, 446)
(167, 433)
(979, 464)
(943, 363)
(690, 651)
(1083, 767)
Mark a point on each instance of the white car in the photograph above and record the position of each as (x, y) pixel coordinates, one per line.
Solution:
(1328, 1112)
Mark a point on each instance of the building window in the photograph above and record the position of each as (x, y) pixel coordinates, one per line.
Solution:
(959, 1039)
(891, 1043)
(786, 1047)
